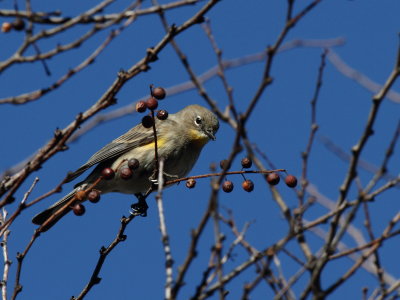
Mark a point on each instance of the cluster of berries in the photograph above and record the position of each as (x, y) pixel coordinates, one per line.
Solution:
(106, 174)
(272, 178)
(157, 93)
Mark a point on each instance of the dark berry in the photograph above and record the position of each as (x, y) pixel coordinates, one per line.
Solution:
(224, 163)
(159, 93)
(141, 106)
(227, 186)
(147, 121)
(18, 24)
(162, 114)
(133, 164)
(78, 209)
(248, 185)
(125, 173)
(291, 181)
(190, 183)
(273, 178)
(246, 162)
(94, 196)
(152, 103)
(108, 173)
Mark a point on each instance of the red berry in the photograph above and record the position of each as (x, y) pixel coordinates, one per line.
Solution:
(125, 173)
(190, 183)
(273, 178)
(159, 93)
(78, 209)
(162, 114)
(152, 103)
(291, 181)
(227, 186)
(108, 173)
(94, 196)
(248, 185)
(6, 27)
(246, 162)
(147, 121)
(141, 106)
(133, 164)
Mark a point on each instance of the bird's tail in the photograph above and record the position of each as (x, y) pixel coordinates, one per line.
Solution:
(42, 217)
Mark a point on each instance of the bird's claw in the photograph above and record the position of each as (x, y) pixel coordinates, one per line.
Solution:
(166, 175)
(154, 178)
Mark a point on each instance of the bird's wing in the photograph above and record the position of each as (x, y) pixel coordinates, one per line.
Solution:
(136, 137)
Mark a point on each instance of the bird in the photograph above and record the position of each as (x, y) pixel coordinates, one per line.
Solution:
(180, 139)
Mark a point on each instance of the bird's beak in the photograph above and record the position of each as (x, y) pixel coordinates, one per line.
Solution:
(210, 134)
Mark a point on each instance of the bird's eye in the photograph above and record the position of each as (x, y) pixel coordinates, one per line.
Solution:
(198, 120)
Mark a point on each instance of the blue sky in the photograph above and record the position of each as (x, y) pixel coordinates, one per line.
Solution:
(61, 260)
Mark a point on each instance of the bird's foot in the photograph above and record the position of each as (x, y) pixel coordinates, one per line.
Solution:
(139, 208)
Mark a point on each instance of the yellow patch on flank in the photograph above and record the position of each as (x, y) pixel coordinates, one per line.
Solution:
(197, 138)
(160, 143)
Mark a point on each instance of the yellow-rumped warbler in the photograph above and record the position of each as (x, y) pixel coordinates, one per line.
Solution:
(180, 139)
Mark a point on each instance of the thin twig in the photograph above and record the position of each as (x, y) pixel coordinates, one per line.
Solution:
(313, 130)
(22, 205)
(169, 261)
(55, 18)
(104, 252)
(7, 262)
(386, 233)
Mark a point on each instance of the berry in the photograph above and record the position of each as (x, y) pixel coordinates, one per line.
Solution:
(162, 114)
(152, 103)
(248, 185)
(6, 27)
(159, 93)
(133, 164)
(224, 163)
(273, 178)
(94, 196)
(80, 195)
(190, 183)
(141, 106)
(108, 173)
(78, 209)
(18, 24)
(125, 173)
(147, 121)
(291, 181)
(246, 162)
(227, 186)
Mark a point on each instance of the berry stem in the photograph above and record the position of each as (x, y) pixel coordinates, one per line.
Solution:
(155, 143)
(219, 174)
